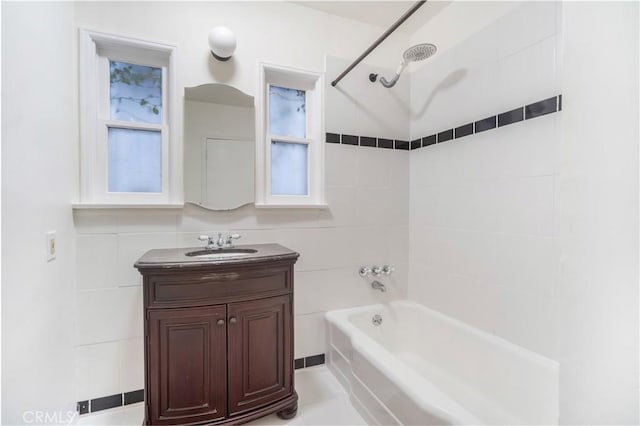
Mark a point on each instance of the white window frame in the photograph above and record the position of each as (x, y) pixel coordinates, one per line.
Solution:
(313, 84)
(96, 50)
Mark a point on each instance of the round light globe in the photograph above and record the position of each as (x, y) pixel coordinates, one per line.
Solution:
(222, 42)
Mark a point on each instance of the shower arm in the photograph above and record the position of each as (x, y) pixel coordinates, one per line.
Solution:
(390, 83)
(380, 39)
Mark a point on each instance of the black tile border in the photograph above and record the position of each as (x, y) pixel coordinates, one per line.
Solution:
(385, 143)
(133, 397)
(82, 407)
(447, 135)
(350, 140)
(526, 112)
(111, 401)
(485, 124)
(333, 138)
(106, 402)
(463, 131)
(368, 141)
(310, 361)
(544, 107)
(404, 145)
(511, 117)
(429, 140)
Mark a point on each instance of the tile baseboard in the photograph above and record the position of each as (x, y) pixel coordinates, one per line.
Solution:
(309, 361)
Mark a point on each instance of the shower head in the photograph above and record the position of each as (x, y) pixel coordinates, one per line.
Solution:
(415, 53)
(419, 52)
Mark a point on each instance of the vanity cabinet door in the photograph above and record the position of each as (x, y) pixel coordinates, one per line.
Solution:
(260, 350)
(187, 365)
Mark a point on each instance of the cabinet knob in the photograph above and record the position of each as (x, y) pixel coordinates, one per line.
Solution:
(233, 320)
(220, 322)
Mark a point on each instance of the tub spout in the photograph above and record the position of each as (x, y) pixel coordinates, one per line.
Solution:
(377, 285)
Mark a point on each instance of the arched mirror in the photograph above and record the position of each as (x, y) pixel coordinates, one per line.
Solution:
(219, 144)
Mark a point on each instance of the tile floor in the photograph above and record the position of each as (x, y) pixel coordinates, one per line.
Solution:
(322, 401)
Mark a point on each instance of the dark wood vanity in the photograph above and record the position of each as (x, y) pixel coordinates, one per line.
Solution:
(218, 336)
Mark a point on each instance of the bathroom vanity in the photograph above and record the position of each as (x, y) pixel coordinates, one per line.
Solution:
(218, 328)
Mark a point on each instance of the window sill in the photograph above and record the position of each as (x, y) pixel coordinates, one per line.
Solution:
(292, 206)
(89, 206)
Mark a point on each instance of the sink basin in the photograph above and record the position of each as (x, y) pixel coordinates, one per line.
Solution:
(220, 253)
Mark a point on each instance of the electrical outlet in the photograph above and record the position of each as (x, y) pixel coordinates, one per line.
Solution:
(51, 245)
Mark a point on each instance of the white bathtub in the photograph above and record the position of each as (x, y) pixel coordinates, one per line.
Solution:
(422, 367)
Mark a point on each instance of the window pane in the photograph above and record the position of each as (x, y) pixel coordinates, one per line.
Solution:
(135, 160)
(289, 167)
(287, 112)
(135, 92)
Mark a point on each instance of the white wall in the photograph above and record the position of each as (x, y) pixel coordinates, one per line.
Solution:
(367, 188)
(482, 238)
(38, 172)
(598, 215)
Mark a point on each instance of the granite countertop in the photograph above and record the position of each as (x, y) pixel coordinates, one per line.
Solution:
(177, 258)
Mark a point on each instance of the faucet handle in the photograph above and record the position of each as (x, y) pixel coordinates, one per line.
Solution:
(364, 271)
(388, 269)
(376, 270)
(204, 238)
(228, 242)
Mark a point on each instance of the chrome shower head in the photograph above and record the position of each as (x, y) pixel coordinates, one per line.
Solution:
(415, 53)
(419, 52)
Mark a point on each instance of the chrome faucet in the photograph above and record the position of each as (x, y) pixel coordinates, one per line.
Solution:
(214, 243)
(228, 243)
(211, 243)
(377, 285)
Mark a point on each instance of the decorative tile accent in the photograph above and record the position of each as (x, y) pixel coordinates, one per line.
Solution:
(367, 141)
(539, 108)
(349, 140)
(485, 124)
(82, 407)
(106, 402)
(533, 110)
(463, 131)
(402, 145)
(511, 117)
(333, 138)
(134, 397)
(447, 135)
(311, 361)
(111, 401)
(385, 143)
(429, 140)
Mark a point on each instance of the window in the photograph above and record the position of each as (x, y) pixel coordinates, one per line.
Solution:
(129, 152)
(290, 149)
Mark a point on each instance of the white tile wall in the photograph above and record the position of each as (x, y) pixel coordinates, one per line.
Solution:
(482, 233)
(111, 314)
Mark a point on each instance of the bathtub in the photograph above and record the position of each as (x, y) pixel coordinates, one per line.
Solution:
(421, 367)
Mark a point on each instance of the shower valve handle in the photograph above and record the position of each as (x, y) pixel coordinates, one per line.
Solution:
(388, 269)
(364, 271)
